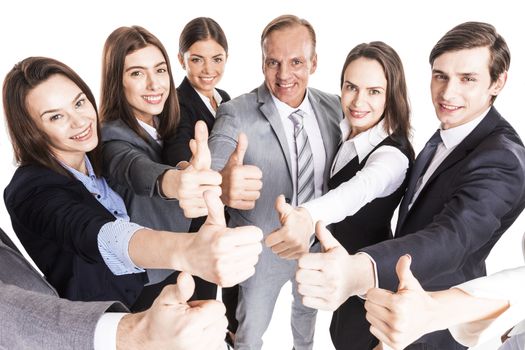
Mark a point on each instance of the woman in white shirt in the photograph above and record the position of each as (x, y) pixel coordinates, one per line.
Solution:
(368, 175)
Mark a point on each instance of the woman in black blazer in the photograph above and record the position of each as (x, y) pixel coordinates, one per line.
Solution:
(72, 224)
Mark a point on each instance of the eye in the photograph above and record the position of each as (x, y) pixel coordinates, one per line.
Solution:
(80, 103)
(55, 117)
(218, 59)
(350, 87)
(296, 62)
(136, 73)
(374, 92)
(272, 63)
(195, 60)
(442, 77)
(162, 70)
(469, 79)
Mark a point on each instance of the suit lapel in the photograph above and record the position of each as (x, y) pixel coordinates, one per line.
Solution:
(459, 153)
(187, 92)
(269, 111)
(326, 135)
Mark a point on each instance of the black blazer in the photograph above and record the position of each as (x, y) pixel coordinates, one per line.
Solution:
(192, 109)
(466, 205)
(57, 220)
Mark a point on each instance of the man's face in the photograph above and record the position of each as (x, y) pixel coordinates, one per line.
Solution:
(461, 87)
(288, 61)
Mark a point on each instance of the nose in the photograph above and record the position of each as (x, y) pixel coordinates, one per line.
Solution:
(358, 99)
(449, 90)
(153, 82)
(206, 66)
(78, 120)
(283, 72)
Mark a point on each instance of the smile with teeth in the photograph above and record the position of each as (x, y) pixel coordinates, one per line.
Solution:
(207, 78)
(449, 107)
(358, 114)
(153, 99)
(285, 86)
(86, 134)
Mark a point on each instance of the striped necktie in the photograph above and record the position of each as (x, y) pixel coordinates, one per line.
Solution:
(305, 162)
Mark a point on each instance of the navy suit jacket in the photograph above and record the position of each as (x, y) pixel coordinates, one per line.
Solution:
(192, 109)
(464, 208)
(57, 221)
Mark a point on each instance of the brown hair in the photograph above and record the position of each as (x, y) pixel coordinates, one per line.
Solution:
(30, 144)
(287, 21)
(201, 28)
(470, 35)
(397, 107)
(113, 103)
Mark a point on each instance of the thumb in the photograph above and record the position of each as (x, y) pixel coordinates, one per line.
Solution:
(215, 209)
(176, 294)
(406, 278)
(201, 157)
(283, 208)
(324, 236)
(237, 157)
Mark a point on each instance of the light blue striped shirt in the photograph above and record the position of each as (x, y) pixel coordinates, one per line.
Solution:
(113, 238)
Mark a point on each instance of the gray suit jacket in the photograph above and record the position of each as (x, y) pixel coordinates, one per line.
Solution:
(32, 316)
(132, 167)
(256, 115)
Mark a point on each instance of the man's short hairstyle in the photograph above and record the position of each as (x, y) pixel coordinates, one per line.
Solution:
(287, 21)
(470, 35)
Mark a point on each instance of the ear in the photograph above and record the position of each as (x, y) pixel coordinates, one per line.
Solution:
(181, 61)
(498, 85)
(314, 64)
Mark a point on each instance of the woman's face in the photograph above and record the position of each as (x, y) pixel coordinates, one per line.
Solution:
(363, 96)
(204, 63)
(63, 112)
(146, 82)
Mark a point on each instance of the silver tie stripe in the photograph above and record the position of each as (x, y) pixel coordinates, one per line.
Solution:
(305, 161)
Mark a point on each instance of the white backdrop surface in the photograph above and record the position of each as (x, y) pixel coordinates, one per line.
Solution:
(74, 32)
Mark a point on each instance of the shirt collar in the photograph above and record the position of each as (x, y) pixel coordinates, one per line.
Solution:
(79, 175)
(364, 142)
(216, 96)
(285, 110)
(454, 136)
(150, 129)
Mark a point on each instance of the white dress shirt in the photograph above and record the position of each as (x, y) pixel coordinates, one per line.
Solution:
(216, 96)
(314, 137)
(151, 130)
(383, 173)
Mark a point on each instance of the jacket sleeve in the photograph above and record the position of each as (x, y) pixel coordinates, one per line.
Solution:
(32, 320)
(224, 135)
(128, 166)
(488, 187)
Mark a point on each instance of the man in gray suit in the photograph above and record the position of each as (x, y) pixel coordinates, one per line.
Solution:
(32, 316)
(293, 133)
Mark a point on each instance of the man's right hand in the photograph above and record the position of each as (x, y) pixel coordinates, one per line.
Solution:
(174, 323)
(222, 255)
(241, 184)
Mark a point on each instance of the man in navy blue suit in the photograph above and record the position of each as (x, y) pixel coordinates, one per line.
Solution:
(466, 188)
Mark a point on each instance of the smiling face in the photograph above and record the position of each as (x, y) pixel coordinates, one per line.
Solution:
(62, 111)
(363, 95)
(204, 63)
(288, 61)
(461, 86)
(146, 82)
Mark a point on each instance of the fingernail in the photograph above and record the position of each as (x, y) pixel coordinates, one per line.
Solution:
(409, 256)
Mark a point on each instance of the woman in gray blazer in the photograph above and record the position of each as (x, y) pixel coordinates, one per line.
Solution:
(139, 110)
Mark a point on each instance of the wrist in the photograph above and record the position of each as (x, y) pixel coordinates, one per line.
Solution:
(363, 267)
(168, 181)
(130, 332)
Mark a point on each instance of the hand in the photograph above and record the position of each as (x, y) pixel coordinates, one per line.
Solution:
(222, 255)
(398, 319)
(173, 323)
(196, 177)
(326, 280)
(293, 238)
(241, 184)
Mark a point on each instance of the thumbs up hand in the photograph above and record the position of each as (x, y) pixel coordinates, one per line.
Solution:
(191, 180)
(327, 279)
(241, 184)
(293, 238)
(398, 319)
(222, 255)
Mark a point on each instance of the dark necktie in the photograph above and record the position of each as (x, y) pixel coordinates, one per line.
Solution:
(418, 170)
(305, 164)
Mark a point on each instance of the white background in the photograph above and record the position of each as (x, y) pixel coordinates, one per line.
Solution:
(74, 32)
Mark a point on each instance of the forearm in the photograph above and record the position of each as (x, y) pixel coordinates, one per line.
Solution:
(160, 249)
(131, 333)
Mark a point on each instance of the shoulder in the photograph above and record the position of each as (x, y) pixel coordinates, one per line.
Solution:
(225, 96)
(239, 104)
(117, 130)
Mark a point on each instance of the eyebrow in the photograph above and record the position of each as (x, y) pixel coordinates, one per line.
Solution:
(142, 67)
(368, 87)
(58, 109)
(434, 71)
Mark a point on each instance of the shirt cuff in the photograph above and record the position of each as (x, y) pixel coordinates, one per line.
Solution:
(113, 244)
(106, 330)
(376, 278)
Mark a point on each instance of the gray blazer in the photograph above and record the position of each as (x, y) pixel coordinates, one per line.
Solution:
(131, 166)
(256, 115)
(32, 316)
